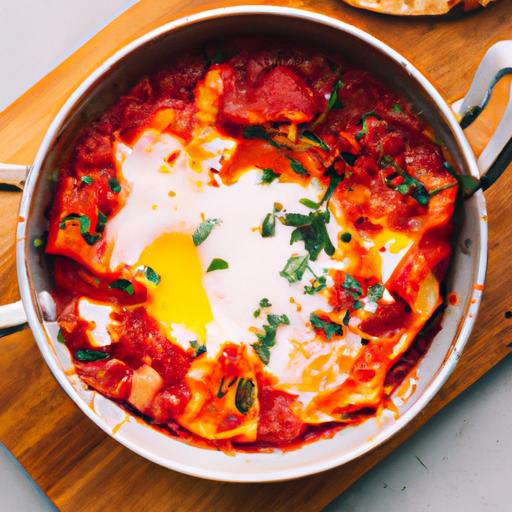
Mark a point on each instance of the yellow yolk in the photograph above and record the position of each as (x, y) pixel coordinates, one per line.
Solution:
(180, 297)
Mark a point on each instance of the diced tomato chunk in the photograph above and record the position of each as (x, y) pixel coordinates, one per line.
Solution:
(279, 95)
(278, 423)
(388, 319)
(111, 378)
(141, 342)
(170, 402)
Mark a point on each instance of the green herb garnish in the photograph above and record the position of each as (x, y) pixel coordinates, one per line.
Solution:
(86, 179)
(60, 336)
(346, 237)
(396, 107)
(264, 303)
(114, 185)
(295, 268)
(297, 167)
(259, 132)
(123, 285)
(468, 184)
(319, 283)
(349, 158)
(329, 328)
(204, 229)
(150, 274)
(310, 136)
(38, 242)
(198, 348)
(375, 292)
(102, 221)
(87, 355)
(268, 176)
(409, 186)
(268, 227)
(333, 99)
(311, 229)
(308, 203)
(353, 285)
(245, 395)
(267, 338)
(84, 223)
(361, 133)
(217, 264)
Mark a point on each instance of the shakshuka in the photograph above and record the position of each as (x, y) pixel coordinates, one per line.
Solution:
(248, 247)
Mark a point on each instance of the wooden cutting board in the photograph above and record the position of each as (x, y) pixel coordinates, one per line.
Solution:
(76, 464)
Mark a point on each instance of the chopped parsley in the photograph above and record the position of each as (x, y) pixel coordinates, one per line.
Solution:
(335, 179)
(267, 338)
(310, 229)
(150, 274)
(351, 284)
(60, 336)
(123, 285)
(349, 158)
(268, 227)
(264, 303)
(346, 237)
(311, 137)
(204, 229)
(268, 176)
(87, 355)
(364, 130)
(102, 221)
(295, 268)
(334, 101)
(468, 184)
(198, 348)
(308, 203)
(375, 292)
(217, 264)
(259, 132)
(114, 185)
(86, 179)
(319, 283)
(329, 328)
(396, 107)
(404, 183)
(297, 167)
(245, 395)
(84, 223)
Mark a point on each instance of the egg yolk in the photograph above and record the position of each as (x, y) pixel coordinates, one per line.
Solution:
(180, 297)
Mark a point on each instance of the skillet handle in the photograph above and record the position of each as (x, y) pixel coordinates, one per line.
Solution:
(12, 318)
(497, 155)
(14, 175)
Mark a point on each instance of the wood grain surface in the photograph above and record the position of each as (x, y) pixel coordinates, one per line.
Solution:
(76, 464)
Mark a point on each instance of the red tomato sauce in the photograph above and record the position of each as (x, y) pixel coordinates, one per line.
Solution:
(370, 138)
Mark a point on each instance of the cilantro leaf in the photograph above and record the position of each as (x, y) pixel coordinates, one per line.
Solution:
(151, 275)
(114, 185)
(364, 130)
(123, 285)
(297, 167)
(352, 284)
(375, 292)
(310, 136)
(87, 355)
(198, 348)
(217, 264)
(268, 176)
(329, 328)
(203, 231)
(86, 179)
(295, 268)
(268, 227)
(267, 338)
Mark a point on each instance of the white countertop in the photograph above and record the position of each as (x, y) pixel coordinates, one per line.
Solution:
(461, 460)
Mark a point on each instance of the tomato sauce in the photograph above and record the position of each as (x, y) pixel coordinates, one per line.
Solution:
(284, 104)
